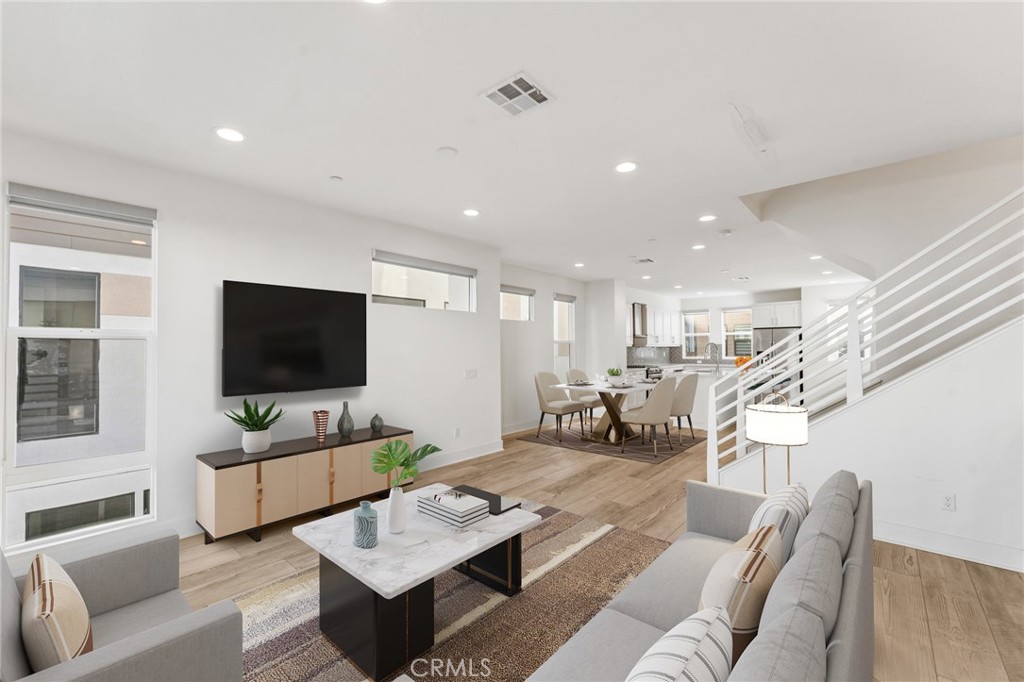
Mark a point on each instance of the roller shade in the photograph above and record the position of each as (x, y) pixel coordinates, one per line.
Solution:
(422, 264)
(26, 195)
(565, 298)
(521, 291)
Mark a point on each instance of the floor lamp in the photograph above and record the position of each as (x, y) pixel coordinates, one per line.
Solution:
(775, 423)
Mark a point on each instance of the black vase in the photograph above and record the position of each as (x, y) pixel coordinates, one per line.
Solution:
(376, 424)
(345, 424)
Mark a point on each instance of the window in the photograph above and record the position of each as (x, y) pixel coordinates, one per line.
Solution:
(516, 303)
(422, 283)
(696, 333)
(80, 333)
(565, 333)
(737, 332)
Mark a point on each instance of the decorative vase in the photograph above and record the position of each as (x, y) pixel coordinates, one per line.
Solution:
(345, 424)
(376, 424)
(396, 511)
(255, 441)
(365, 520)
(320, 419)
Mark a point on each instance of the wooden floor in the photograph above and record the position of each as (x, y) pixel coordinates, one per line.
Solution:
(936, 618)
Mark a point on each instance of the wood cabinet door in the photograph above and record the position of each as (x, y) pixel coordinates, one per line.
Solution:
(234, 500)
(372, 482)
(787, 314)
(278, 481)
(348, 473)
(313, 477)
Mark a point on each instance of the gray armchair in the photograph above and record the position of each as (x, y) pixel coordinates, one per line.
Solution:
(143, 627)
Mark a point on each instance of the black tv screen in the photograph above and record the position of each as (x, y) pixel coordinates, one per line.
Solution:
(279, 339)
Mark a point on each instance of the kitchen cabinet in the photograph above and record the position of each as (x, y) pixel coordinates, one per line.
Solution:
(786, 314)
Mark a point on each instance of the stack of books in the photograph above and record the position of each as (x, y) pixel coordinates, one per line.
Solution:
(454, 507)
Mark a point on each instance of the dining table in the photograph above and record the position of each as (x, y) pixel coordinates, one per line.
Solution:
(612, 397)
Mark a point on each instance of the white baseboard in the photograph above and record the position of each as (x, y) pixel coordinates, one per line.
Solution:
(454, 456)
(1001, 556)
(507, 429)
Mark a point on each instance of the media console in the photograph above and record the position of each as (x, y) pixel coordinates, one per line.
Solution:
(236, 492)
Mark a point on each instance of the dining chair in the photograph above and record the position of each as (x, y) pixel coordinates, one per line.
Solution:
(553, 401)
(682, 403)
(653, 413)
(590, 399)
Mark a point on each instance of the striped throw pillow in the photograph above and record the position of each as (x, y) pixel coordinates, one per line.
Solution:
(786, 510)
(697, 650)
(740, 580)
(55, 623)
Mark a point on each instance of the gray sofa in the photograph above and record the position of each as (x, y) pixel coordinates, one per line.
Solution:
(792, 645)
(143, 627)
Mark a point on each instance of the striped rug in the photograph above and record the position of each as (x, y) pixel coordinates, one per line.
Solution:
(572, 567)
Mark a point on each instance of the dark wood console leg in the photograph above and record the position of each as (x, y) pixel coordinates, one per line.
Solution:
(256, 534)
(379, 635)
(500, 567)
(326, 512)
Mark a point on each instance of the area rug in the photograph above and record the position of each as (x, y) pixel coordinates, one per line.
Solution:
(572, 567)
(634, 449)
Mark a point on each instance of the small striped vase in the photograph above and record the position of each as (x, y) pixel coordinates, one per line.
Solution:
(365, 520)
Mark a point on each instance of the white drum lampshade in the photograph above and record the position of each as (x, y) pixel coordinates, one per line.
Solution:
(773, 424)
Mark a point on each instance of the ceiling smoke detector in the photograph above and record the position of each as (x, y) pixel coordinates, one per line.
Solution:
(741, 278)
(517, 94)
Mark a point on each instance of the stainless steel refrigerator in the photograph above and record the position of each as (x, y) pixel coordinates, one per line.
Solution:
(767, 337)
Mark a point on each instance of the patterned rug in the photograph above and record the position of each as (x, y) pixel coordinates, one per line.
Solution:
(634, 450)
(572, 567)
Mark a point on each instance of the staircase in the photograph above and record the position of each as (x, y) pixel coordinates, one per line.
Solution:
(963, 287)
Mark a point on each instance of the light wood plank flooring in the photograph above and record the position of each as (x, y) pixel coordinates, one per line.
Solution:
(936, 618)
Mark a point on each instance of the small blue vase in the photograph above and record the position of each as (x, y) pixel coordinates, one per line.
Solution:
(365, 520)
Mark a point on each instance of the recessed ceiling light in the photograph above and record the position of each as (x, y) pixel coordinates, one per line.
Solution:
(140, 242)
(646, 277)
(471, 212)
(337, 178)
(678, 286)
(230, 134)
(376, 2)
(577, 265)
(700, 293)
(707, 218)
(626, 167)
(697, 247)
(815, 257)
(826, 272)
(832, 281)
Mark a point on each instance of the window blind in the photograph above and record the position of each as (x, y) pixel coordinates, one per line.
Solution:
(565, 298)
(521, 291)
(422, 264)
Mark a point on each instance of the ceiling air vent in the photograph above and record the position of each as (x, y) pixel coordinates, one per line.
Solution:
(517, 94)
(644, 261)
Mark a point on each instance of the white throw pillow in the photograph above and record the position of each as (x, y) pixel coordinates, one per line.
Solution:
(55, 623)
(697, 650)
(786, 510)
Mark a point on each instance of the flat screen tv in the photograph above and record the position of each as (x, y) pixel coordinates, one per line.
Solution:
(279, 339)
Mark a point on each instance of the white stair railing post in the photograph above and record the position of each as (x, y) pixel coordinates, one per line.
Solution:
(854, 375)
(712, 441)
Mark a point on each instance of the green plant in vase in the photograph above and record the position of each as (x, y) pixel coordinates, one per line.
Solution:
(255, 425)
(397, 456)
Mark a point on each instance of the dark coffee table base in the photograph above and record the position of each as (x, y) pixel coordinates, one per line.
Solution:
(382, 635)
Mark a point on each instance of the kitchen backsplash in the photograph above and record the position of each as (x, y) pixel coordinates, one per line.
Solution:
(675, 355)
(647, 356)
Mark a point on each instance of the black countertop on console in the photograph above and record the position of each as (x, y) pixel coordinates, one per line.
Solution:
(236, 457)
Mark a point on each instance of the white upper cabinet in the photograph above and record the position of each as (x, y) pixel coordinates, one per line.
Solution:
(785, 314)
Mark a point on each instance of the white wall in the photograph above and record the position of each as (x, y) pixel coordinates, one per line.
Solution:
(652, 299)
(210, 231)
(606, 325)
(954, 426)
(528, 347)
(814, 301)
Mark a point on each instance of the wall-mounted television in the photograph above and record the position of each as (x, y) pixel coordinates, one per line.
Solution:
(279, 339)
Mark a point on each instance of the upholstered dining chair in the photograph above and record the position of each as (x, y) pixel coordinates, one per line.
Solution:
(682, 403)
(553, 401)
(653, 413)
(590, 399)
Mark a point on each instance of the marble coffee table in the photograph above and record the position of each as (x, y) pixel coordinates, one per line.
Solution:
(377, 604)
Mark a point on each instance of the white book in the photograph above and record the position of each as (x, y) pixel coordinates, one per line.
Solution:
(458, 524)
(448, 514)
(460, 503)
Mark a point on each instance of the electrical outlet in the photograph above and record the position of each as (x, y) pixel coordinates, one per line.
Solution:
(469, 374)
(457, 433)
(948, 502)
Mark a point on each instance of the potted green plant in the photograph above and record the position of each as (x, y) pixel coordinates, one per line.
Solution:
(615, 376)
(396, 455)
(255, 425)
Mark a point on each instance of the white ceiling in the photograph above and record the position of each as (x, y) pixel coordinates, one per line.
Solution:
(369, 92)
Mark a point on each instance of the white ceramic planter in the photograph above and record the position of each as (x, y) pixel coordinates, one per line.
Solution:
(255, 441)
(396, 511)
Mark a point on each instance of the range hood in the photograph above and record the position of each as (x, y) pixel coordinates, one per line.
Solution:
(639, 325)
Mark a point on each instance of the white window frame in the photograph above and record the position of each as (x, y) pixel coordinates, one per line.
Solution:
(684, 335)
(83, 479)
(571, 300)
(727, 334)
(415, 263)
(530, 295)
